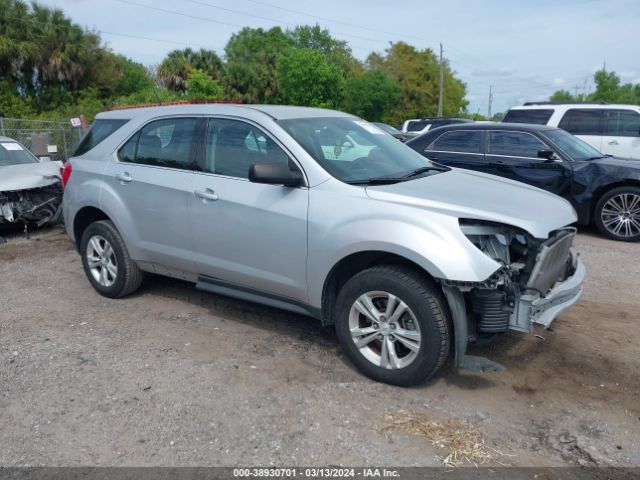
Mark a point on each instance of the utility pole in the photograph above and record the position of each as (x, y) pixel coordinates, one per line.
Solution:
(441, 83)
(490, 102)
(575, 88)
(584, 90)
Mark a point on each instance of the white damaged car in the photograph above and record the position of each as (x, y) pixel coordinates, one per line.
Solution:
(30, 189)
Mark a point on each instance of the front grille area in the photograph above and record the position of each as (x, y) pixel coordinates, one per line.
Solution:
(552, 261)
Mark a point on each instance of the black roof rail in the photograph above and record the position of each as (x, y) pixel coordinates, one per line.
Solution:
(527, 104)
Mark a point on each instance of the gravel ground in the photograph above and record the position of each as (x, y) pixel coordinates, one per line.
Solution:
(174, 376)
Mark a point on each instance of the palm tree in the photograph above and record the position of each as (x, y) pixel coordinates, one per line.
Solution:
(178, 64)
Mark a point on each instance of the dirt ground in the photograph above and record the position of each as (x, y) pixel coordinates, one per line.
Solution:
(175, 376)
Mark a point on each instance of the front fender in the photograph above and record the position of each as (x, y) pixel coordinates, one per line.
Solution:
(431, 240)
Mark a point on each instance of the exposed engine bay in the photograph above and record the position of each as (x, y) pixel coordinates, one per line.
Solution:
(528, 285)
(39, 206)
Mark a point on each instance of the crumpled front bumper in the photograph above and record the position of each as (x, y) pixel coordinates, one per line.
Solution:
(543, 310)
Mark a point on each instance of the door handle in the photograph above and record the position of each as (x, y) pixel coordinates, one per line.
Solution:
(124, 177)
(613, 142)
(206, 195)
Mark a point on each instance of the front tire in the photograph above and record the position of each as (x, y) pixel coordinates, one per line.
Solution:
(106, 261)
(617, 214)
(393, 324)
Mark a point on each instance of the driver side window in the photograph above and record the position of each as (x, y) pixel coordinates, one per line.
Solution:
(233, 146)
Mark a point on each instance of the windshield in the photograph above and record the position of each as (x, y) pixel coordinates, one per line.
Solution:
(12, 153)
(572, 146)
(353, 150)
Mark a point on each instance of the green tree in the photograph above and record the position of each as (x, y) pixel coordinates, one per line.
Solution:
(314, 37)
(250, 70)
(178, 64)
(201, 86)
(305, 77)
(134, 77)
(562, 96)
(607, 86)
(418, 73)
(372, 95)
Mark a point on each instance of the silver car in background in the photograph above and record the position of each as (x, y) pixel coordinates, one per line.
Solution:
(321, 213)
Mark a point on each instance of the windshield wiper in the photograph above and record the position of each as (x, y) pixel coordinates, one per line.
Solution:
(421, 170)
(401, 178)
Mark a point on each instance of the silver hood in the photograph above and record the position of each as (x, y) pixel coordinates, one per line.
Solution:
(466, 194)
(29, 175)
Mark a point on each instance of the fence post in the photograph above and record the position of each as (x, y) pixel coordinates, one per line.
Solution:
(2, 125)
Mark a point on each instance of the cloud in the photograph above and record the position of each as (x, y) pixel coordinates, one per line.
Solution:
(558, 82)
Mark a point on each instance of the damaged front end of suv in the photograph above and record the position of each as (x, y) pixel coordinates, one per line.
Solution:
(38, 206)
(30, 189)
(537, 280)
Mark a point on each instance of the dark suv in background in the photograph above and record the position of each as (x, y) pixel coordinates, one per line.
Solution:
(604, 190)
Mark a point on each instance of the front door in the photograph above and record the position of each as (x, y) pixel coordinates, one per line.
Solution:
(514, 155)
(249, 235)
(622, 134)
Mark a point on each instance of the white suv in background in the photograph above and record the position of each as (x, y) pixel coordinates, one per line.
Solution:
(611, 129)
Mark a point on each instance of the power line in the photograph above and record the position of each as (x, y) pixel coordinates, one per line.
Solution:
(277, 21)
(106, 32)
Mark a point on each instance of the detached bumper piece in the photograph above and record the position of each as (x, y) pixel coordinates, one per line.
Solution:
(554, 285)
(543, 310)
(39, 206)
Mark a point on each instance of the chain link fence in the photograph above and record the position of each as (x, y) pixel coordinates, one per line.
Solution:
(45, 138)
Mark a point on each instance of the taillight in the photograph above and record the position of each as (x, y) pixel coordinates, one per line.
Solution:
(65, 173)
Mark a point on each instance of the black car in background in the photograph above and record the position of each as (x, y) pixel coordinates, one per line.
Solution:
(604, 190)
(418, 126)
(394, 132)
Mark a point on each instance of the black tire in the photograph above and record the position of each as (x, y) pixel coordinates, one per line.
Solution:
(427, 303)
(598, 214)
(128, 277)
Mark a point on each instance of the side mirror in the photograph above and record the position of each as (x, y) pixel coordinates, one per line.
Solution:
(547, 154)
(275, 174)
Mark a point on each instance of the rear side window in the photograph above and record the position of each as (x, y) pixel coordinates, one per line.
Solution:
(462, 141)
(167, 143)
(582, 121)
(622, 123)
(100, 130)
(514, 144)
(538, 116)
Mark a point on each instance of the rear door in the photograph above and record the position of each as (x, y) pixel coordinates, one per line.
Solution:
(458, 148)
(586, 124)
(514, 155)
(248, 235)
(622, 133)
(153, 180)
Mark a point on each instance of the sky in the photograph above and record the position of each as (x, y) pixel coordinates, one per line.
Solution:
(523, 49)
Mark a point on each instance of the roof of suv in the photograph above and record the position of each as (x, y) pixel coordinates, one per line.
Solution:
(495, 126)
(592, 105)
(277, 112)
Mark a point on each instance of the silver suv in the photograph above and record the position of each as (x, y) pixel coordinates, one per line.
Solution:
(321, 213)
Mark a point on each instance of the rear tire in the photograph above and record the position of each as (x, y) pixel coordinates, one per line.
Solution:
(617, 214)
(106, 261)
(400, 320)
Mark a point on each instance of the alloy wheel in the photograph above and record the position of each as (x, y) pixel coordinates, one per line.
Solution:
(621, 215)
(385, 330)
(101, 260)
